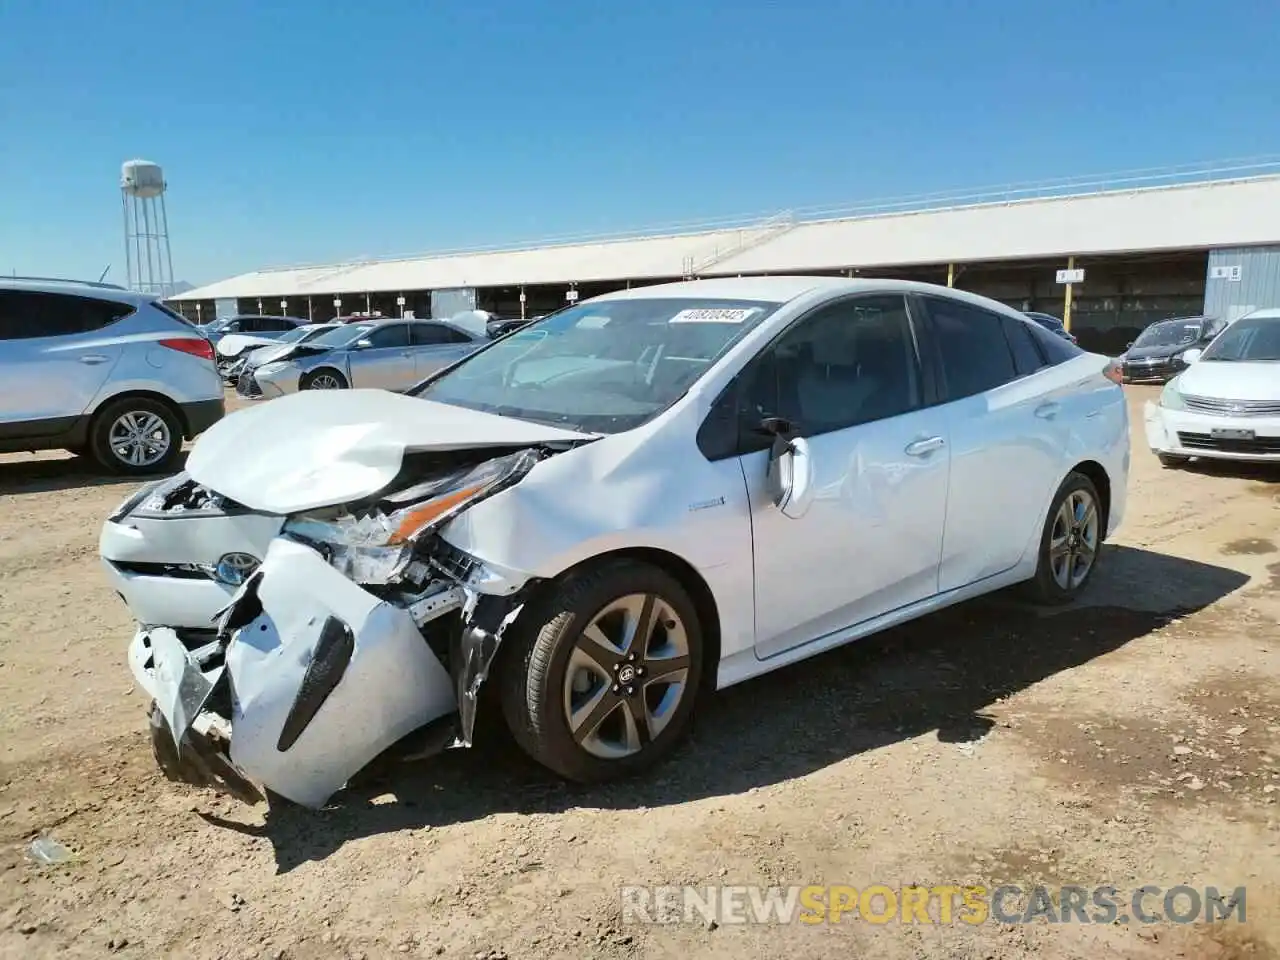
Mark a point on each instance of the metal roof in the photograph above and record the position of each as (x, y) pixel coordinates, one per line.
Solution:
(1183, 216)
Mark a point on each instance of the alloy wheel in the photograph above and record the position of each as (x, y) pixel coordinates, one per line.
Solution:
(627, 675)
(1073, 542)
(140, 438)
(324, 381)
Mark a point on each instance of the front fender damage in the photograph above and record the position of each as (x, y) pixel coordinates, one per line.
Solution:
(322, 677)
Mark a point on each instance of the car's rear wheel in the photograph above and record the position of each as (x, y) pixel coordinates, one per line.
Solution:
(605, 671)
(136, 435)
(1070, 543)
(324, 379)
(1171, 461)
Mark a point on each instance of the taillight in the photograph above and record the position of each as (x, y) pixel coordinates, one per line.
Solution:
(196, 346)
(1112, 372)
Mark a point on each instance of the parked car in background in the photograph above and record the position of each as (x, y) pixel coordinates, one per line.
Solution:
(389, 354)
(261, 326)
(643, 497)
(500, 326)
(99, 370)
(1052, 324)
(1157, 355)
(237, 350)
(1226, 404)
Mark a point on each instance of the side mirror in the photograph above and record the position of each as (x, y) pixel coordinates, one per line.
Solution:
(790, 473)
(1191, 356)
(362, 344)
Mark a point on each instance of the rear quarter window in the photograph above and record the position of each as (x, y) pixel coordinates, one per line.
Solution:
(27, 314)
(1055, 349)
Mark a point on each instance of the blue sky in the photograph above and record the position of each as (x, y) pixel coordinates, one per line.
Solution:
(295, 131)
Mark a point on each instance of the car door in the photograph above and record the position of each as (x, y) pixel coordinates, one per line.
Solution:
(383, 358)
(436, 345)
(55, 355)
(848, 378)
(1007, 427)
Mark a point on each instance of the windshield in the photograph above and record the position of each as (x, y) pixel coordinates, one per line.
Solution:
(1169, 333)
(600, 367)
(1250, 341)
(340, 336)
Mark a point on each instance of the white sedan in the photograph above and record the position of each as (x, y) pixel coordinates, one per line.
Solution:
(622, 507)
(1226, 405)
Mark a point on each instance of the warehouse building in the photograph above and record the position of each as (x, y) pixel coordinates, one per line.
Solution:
(1112, 260)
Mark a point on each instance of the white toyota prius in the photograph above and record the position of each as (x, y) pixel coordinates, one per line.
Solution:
(610, 513)
(1226, 404)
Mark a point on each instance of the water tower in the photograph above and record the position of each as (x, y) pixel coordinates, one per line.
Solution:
(146, 228)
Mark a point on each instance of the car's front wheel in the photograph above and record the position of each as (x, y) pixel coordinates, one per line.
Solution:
(605, 671)
(324, 379)
(1070, 542)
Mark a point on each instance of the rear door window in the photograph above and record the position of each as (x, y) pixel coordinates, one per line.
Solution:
(26, 315)
(971, 343)
(436, 334)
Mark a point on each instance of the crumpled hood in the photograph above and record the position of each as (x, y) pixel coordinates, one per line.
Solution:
(1232, 380)
(233, 344)
(322, 448)
(270, 354)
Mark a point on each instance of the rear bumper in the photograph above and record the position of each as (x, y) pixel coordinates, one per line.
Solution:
(202, 414)
(1181, 433)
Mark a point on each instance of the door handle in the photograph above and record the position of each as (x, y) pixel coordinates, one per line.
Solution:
(922, 448)
(1047, 411)
(92, 358)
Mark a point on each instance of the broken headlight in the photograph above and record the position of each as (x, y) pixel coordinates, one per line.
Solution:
(375, 546)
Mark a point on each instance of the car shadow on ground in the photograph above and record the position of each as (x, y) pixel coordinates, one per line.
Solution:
(935, 675)
(52, 474)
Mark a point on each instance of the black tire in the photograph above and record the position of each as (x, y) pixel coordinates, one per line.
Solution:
(105, 421)
(309, 379)
(1044, 587)
(535, 671)
(1171, 462)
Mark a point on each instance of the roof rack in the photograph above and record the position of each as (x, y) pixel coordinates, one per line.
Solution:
(81, 283)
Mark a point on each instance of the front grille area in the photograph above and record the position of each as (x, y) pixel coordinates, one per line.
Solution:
(247, 385)
(1258, 446)
(1233, 408)
(179, 571)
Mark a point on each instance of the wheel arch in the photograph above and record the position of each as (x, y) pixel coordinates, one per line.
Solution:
(138, 394)
(704, 601)
(1101, 481)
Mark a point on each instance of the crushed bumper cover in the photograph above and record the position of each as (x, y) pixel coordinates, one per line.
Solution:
(320, 677)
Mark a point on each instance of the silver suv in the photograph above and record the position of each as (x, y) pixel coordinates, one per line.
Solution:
(99, 370)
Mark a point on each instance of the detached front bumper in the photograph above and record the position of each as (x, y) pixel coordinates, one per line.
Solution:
(319, 677)
(1182, 433)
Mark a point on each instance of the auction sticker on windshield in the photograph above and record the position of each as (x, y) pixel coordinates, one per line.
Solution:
(714, 315)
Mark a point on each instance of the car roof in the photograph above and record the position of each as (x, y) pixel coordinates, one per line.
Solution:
(1266, 313)
(784, 289)
(78, 288)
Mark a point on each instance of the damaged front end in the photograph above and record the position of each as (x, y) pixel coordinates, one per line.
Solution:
(361, 627)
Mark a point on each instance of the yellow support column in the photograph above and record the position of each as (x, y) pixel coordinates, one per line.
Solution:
(951, 274)
(1066, 303)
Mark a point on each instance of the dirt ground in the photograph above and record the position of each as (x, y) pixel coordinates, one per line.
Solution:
(1131, 739)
